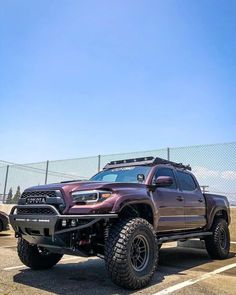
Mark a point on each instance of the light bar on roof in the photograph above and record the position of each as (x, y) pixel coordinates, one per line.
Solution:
(130, 162)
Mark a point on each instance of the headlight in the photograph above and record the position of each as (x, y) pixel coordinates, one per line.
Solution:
(90, 196)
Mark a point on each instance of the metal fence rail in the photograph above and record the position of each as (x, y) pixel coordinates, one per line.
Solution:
(214, 165)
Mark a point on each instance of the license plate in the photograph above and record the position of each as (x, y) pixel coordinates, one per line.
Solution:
(36, 200)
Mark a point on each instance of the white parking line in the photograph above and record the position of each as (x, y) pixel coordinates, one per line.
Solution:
(194, 281)
(15, 267)
(23, 266)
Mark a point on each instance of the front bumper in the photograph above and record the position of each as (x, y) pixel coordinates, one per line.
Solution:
(47, 225)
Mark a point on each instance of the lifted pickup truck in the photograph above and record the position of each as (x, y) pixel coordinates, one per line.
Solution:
(122, 214)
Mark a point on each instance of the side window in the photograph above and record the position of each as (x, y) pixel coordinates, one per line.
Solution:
(186, 181)
(166, 172)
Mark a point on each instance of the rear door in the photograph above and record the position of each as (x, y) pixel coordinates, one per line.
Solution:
(194, 201)
(169, 202)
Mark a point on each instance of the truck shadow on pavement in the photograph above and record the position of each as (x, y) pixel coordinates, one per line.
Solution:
(90, 277)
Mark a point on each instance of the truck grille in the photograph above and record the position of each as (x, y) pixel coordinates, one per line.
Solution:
(39, 194)
(35, 211)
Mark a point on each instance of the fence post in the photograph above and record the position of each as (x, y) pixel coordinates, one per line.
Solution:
(46, 174)
(5, 185)
(99, 163)
(168, 154)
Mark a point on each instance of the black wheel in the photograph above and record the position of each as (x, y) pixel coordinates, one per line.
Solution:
(35, 257)
(218, 245)
(1, 225)
(131, 253)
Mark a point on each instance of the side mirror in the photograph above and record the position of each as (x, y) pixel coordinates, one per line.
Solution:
(163, 181)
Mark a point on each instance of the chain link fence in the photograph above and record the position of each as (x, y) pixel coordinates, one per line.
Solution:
(214, 166)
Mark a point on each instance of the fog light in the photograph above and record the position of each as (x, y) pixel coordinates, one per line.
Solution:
(73, 222)
(63, 223)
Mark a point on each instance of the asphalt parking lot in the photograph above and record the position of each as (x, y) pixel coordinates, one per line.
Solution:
(180, 271)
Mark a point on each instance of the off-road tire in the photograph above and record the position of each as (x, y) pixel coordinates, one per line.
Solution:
(31, 256)
(119, 249)
(218, 244)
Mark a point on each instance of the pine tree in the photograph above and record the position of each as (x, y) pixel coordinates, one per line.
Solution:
(16, 196)
(9, 196)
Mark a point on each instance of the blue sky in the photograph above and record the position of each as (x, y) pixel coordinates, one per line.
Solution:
(81, 78)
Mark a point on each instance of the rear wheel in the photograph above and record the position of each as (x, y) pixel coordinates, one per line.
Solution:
(1, 225)
(131, 253)
(218, 245)
(36, 257)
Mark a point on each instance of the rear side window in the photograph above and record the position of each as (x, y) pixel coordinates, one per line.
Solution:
(186, 181)
(166, 172)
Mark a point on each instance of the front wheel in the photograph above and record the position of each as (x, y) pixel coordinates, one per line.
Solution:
(35, 257)
(218, 244)
(131, 253)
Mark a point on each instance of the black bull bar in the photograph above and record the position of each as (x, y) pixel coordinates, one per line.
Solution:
(46, 224)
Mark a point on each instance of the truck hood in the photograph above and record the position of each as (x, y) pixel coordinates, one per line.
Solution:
(88, 185)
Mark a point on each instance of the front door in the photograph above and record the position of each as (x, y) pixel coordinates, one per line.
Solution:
(169, 202)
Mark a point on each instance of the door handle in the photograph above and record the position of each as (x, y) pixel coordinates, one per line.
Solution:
(180, 198)
(200, 200)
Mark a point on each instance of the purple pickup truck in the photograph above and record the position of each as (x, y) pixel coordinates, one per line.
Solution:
(122, 214)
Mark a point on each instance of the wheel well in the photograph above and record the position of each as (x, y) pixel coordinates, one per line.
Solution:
(138, 210)
(222, 214)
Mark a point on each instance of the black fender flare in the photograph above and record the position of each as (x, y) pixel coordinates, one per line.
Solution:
(147, 202)
(215, 212)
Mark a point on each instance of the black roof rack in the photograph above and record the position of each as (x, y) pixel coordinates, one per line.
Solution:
(167, 162)
(144, 161)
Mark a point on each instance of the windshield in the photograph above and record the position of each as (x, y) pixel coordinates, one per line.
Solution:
(124, 174)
